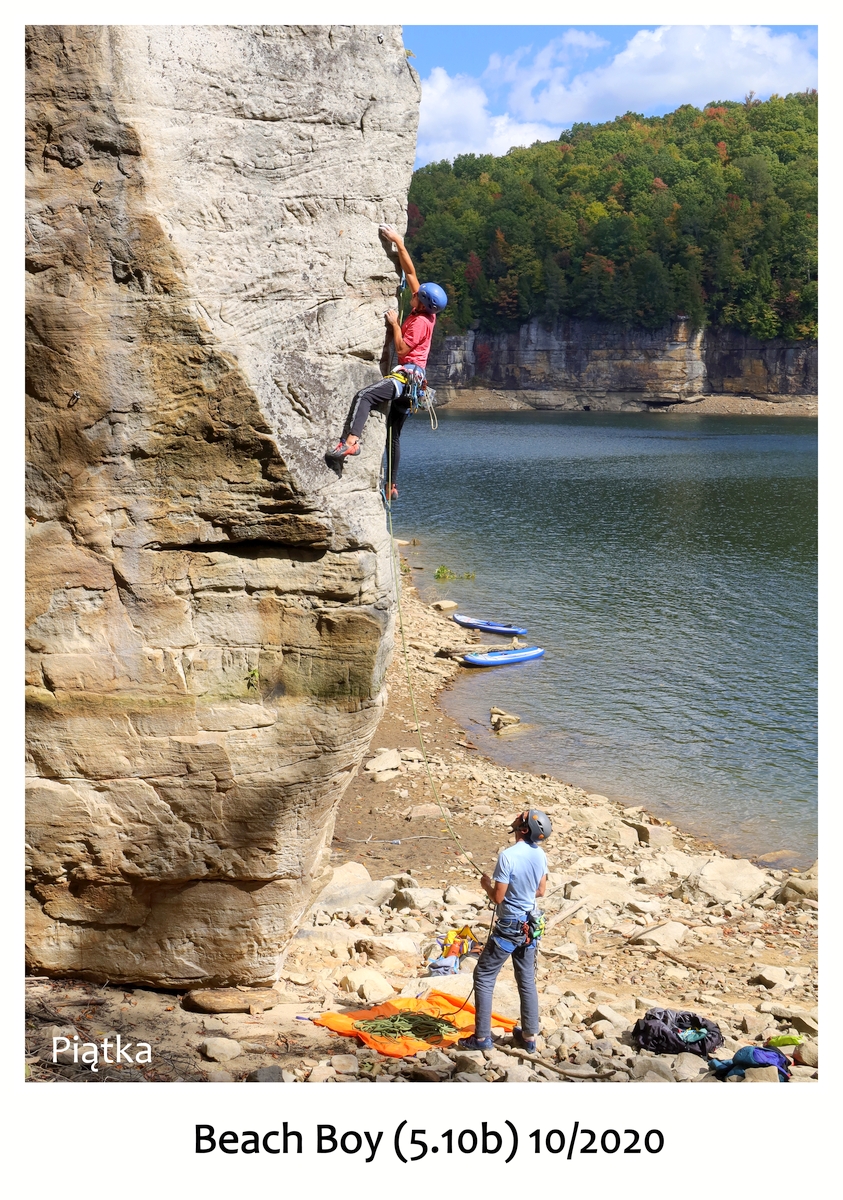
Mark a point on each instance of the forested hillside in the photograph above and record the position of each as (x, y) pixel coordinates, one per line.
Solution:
(709, 213)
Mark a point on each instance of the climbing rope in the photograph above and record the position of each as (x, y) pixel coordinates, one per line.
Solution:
(423, 1026)
(397, 581)
(396, 577)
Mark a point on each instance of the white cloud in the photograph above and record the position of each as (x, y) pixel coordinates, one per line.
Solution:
(455, 119)
(661, 69)
(546, 91)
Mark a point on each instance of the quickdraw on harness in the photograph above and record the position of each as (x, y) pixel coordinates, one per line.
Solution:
(534, 927)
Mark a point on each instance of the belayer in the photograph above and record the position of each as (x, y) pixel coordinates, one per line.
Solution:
(398, 391)
(519, 878)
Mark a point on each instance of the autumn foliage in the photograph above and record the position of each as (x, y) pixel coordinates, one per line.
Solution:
(710, 213)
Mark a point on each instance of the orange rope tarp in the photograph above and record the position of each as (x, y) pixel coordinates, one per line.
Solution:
(437, 1004)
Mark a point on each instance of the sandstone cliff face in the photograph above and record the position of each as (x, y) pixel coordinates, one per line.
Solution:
(589, 364)
(209, 605)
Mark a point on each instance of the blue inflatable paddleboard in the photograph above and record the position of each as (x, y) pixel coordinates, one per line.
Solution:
(489, 626)
(499, 658)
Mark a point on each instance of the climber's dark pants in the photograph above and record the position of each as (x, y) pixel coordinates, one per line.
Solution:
(398, 414)
(380, 395)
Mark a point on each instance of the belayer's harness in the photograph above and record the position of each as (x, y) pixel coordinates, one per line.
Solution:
(530, 930)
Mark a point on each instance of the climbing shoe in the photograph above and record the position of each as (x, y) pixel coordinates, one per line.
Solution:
(343, 450)
(475, 1043)
(522, 1042)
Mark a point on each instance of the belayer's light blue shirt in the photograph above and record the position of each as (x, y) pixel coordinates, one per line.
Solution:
(521, 867)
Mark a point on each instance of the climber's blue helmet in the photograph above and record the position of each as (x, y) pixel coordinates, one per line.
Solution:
(432, 297)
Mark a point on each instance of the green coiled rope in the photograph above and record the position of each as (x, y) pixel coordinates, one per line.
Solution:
(419, 1025)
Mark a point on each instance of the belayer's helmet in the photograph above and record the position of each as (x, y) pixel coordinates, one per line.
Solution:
(536, 823)
(433, 297)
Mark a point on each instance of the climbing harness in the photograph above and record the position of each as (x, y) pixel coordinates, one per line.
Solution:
(415, 388)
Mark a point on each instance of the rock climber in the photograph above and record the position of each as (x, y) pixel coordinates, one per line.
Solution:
(395, 393)
(519, 878)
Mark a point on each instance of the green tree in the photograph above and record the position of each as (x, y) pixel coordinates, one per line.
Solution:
(711, 213)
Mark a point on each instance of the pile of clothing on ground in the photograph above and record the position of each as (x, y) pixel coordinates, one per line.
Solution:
(668, 1031)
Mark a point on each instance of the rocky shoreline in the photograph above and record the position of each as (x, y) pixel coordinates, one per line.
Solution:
(639, 915)
(492, 399)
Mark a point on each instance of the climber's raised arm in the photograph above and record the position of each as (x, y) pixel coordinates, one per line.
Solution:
(390, 234)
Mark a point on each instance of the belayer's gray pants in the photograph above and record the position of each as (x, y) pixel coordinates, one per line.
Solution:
(486, 972)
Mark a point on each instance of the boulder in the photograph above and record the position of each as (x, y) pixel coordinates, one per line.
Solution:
(321, 1074)
(457, 897)
(345, 1064)
(688, 1066)
(655, 836)
(595, 889)
(502, 720)
(219, 1049)
(519, 1074)
(230, 1000)
(649, 1064)
(754, 1023)
(761, 1075)
(620, 834)
(796, 888)
(605, 1030)
(651, 907)
(390, 760)
(419, 898)
(666, 937)
(272, 1074)
(728, 880)
(773, 858)
(680, 864)
(391, 945)
(604, 1012)
(470, 1060)
(438, 1061)
(426, 812)
(802, 1022)
(769, 976)
(445, 606)
(367, 983)
(567, 950)
(808, 1053)
(351, 884)
(592, 818)
(335, 941)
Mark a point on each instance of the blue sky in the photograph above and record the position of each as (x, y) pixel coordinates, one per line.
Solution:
(486, 88)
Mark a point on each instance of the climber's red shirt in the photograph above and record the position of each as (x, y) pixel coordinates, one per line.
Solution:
(417, 332)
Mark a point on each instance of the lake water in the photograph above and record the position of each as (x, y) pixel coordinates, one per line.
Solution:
(667, 564)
